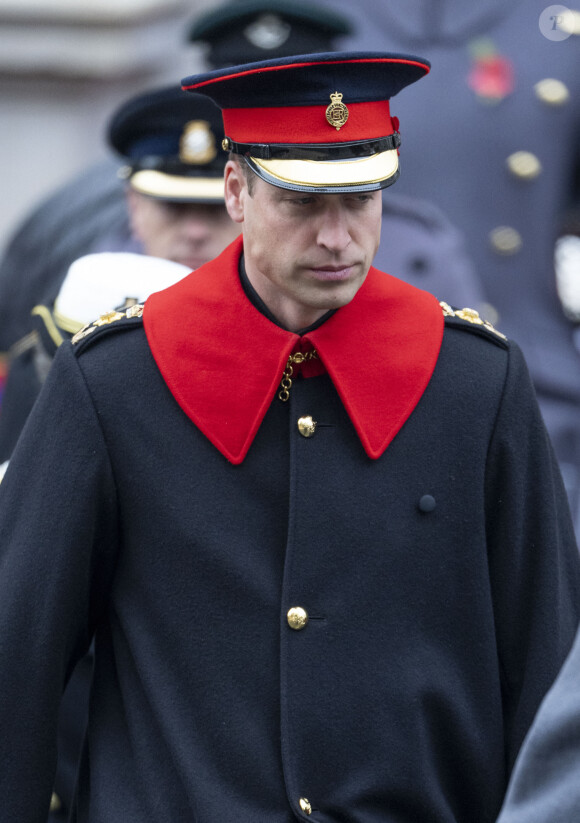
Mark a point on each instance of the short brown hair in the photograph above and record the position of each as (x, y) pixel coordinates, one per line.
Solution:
(248, 173)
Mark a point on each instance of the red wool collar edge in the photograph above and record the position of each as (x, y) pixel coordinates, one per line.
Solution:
(380, 352)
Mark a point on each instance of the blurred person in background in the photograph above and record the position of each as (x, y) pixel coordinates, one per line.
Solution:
(544, 787)
(173, 162)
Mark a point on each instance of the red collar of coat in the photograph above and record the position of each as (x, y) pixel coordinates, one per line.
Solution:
(223, 360)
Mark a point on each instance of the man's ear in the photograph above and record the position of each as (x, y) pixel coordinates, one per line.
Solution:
(235, 190)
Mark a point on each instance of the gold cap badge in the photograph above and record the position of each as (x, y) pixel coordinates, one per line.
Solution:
(268, 32)
(197, 145)
(336, 112)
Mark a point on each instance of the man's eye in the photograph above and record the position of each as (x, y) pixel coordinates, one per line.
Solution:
(299, 199)
(357, 201)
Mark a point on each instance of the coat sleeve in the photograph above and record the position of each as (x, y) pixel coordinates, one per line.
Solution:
(21, 390)
(58, 541)
(545, 785)
(533, 556)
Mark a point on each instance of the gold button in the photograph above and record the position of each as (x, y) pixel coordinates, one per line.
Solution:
(552, 91)
(305, 805)
(306, 426)
(524, 164)
(297, 618)
(55, 803)
(506, 240)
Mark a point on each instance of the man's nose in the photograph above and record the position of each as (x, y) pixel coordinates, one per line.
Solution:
(333, 229)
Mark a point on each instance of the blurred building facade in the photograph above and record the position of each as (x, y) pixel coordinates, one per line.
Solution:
(64, 66)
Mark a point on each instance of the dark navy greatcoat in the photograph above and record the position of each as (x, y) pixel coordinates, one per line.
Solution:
(440, 579)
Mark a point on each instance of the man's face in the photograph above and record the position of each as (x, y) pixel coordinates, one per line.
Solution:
(187, 233)
(304, 253)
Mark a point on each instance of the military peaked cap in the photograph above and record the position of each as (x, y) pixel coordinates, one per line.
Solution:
(171, 144)
(314, 122)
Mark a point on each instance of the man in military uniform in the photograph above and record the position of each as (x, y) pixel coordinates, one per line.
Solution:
(310, 515)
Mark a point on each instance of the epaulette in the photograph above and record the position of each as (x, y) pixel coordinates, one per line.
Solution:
(470, 320)
(48, 330)
(118, 319)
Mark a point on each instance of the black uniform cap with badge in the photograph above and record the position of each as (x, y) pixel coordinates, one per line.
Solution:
(171, 144)
(314, 122)
(244, 31)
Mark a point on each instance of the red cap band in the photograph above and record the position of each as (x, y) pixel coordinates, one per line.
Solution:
(307, 124)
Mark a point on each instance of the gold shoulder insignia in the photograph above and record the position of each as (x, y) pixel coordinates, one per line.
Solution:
(106, 320)
(447, 310)
(471, 316)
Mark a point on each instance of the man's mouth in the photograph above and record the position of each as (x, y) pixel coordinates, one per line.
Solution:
(333, 272)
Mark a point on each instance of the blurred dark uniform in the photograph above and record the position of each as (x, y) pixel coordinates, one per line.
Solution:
(499, 86)
(544, 786)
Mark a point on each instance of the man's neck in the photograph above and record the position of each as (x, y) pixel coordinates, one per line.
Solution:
(289, 324)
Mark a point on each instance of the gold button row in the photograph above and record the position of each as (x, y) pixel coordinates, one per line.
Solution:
(505, 240)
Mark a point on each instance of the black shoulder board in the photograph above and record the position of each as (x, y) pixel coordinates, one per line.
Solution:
(470, 320)
(121, 319)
